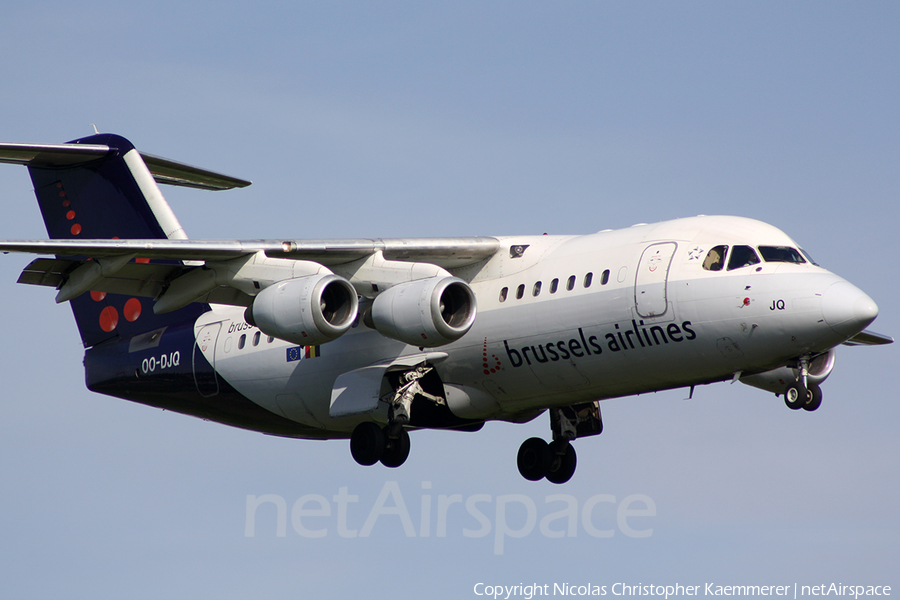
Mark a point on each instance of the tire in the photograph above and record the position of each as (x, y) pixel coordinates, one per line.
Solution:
(566, 468)
(795, 395)
(367, 443)
(815, 398)
(533, 459)
(397, 451)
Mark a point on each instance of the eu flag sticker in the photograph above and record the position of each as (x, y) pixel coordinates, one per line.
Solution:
(295, 353)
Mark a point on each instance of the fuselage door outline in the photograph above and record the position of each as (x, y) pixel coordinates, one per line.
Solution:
(205, 345)
(650, 298)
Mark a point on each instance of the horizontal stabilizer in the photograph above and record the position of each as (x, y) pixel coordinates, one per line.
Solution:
(175, 173)
(163, 170)
(51, 155)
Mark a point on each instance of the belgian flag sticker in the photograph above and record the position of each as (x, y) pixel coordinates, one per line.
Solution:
(295, 353)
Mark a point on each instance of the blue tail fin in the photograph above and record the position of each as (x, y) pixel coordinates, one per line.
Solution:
(114, 196)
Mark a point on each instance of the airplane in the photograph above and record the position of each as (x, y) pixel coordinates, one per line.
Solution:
(369, 339)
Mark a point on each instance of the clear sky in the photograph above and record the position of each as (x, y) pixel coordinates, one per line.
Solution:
(450, 119)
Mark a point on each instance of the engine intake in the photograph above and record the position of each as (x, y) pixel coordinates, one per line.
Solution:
(426, 312)
(306, 310)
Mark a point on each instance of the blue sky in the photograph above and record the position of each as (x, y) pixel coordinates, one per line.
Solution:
(439, 119)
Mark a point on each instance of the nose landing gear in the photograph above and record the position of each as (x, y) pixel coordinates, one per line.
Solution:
(557, 460)
(802, 394)
(797, 396)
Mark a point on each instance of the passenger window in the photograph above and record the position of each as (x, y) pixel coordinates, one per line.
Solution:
(503, 293)
(587, 280)
(242, 341)
(536, 290)
(520, 291)
(783, 254)
(570, 284)
(715, 258)
(270, 339)
(256, 338)
(554, 285)
(604, 278)
(742, 256)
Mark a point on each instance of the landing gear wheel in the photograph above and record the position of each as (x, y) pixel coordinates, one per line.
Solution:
(815, 398)
(534, 459)
(795, 395)
(565, 466)
(367, 443)
(396, 451)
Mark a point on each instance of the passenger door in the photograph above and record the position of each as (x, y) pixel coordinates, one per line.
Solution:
(650, 298)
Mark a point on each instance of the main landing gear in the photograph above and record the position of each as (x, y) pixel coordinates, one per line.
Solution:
(802, 394)
(557, 460)
(370, 443)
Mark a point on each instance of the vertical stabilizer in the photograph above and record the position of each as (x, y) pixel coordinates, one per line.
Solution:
(110, 196)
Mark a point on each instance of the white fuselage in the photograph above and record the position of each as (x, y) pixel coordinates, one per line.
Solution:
(573, 319)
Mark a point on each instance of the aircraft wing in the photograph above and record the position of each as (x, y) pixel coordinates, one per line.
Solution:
(223, 271)
(869, 338)
(444, 252)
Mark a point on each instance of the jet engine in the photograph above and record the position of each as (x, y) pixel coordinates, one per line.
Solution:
(775, 380)
(425, 312)
(307, 310)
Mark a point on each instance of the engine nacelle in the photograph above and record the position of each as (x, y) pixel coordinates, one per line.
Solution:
(426, 312)
(777, 379)
(307, 310)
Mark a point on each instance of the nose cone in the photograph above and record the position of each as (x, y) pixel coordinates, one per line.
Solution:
(847, 309)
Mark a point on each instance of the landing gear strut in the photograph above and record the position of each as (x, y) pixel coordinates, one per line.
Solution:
(370, 443)
(557, 460)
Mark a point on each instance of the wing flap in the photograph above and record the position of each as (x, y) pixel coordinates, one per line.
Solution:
(135, 279)
(46, 271)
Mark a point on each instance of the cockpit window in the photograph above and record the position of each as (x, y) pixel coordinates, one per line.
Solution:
(808, 257)
(784, 254)
(742, 256)
(715, 258)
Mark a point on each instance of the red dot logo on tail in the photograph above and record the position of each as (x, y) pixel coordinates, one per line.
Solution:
(109, 319)
(109, 316)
